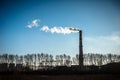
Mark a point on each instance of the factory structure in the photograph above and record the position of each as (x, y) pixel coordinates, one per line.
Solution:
(80, 46)
(80, 49)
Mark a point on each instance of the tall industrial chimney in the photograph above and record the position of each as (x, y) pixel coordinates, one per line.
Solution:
(80, 49)
(80, 46)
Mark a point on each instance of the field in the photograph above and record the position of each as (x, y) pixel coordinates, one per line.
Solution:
(61, 77)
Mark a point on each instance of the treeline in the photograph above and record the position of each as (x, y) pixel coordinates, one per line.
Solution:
(42, 60)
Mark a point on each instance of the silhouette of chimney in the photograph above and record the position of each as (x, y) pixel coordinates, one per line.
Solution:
(80, 46)
(80, 49)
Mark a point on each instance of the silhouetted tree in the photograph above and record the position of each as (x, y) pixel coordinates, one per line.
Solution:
(5, 58)
(51, 60)
(68, 61)
(11, 58)
(57, 60)
(39, 60)
(27, 61)
(16, 59)
(21, 59)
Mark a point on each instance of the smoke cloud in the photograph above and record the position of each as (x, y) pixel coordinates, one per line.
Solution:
(59, 30)
(34, 23)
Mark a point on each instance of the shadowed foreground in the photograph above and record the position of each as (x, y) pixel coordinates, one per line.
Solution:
(106, 72)
(60, 77)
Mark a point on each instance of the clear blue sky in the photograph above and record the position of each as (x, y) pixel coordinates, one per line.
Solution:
(99, 20)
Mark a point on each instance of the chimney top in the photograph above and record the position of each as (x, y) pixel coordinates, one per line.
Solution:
(74, 29)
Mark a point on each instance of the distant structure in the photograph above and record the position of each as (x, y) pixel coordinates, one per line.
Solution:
(80, 46)
(80, 49)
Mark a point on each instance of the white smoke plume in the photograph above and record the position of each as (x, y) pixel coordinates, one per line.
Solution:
(61, 30)
(34, 23)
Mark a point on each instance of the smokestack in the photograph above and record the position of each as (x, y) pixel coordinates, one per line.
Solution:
(80, 49)
(80, 46)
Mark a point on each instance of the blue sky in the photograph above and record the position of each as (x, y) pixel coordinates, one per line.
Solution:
(98, 19)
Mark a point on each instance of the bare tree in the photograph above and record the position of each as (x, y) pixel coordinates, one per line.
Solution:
(57, 60)
(51, 60)
(68, 61)
(39, 59)
(11, 58)
(21, 59)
